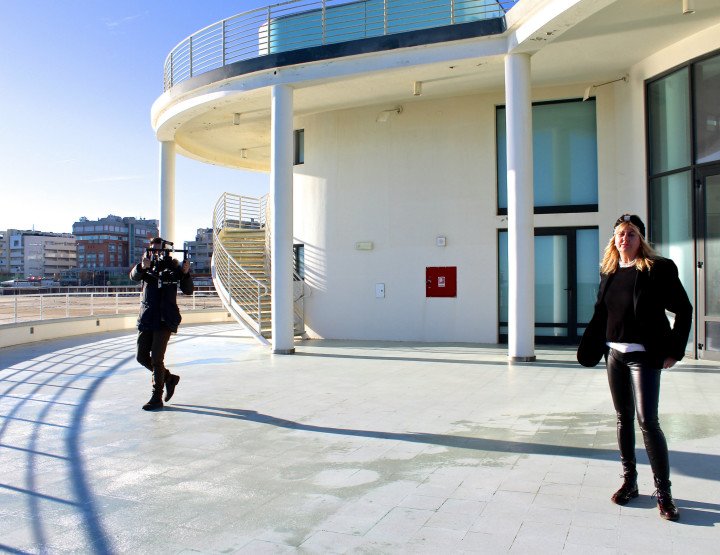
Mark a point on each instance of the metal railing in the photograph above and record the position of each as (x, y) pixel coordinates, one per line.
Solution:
(238, 212)
(306, 23)
(243, 295)
(29, 308)
(247, 298)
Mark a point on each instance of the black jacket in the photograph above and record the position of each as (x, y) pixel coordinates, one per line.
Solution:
(159, 298)
(655, 291)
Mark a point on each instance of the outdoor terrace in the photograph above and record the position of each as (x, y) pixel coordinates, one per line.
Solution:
(302, 24)
(345, 447)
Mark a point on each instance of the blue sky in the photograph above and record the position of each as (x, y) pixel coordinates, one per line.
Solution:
(77, 81)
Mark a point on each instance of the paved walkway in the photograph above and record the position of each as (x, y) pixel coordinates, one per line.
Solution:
(345, 447)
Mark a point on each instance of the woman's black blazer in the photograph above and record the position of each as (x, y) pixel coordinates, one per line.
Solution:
(655, 291)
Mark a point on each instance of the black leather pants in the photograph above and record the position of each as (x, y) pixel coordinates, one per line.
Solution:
(151, 347)
(634, 380)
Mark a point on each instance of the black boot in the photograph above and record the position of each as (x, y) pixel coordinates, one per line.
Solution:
(155, 402)
(171, 380)
(628, 491)
(665, 502)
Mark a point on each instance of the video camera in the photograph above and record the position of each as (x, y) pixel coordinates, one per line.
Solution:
(162, 265)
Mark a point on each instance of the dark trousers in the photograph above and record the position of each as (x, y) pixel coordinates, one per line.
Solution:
(635, 387)
(151, 347)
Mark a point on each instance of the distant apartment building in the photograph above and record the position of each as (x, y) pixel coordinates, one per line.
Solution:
(26, 253)
(111, 245)
(200, 251)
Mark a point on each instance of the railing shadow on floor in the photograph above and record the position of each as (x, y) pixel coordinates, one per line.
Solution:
(53, 392)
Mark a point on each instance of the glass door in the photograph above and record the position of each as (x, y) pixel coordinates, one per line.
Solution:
(566, 281)
(708, 263)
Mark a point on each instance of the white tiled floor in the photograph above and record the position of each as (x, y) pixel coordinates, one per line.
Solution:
(344, 447)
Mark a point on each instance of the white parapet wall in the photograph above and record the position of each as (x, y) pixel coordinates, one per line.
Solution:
(41, 330)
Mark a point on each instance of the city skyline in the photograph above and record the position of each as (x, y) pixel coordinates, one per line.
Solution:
(79, 86)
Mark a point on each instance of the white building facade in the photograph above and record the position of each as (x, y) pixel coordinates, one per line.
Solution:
(199, 251)
(491, 155)
(26, 253)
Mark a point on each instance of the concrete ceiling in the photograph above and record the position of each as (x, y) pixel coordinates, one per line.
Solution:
(579, 46)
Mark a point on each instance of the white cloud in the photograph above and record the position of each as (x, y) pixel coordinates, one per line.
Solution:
(123, 20)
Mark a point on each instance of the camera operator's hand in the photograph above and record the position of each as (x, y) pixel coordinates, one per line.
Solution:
(185, 266)
(145, 263)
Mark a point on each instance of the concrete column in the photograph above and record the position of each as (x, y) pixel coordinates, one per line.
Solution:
(521, 247)
(167, 191)
(281, 195)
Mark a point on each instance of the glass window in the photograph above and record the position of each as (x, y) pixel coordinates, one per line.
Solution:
(712, 247)
(564, 156)
(299, 261)
(671, 226)
(551, 286)
(299, 146)
(503, 285)
(707, 110)
(669, 133)
(671, 223)
(588, 273)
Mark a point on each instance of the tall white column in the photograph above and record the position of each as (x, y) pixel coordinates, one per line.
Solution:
(521, 247)
(281, 195)
(167, 190)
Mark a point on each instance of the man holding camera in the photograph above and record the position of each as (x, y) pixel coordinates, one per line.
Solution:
(159, 313)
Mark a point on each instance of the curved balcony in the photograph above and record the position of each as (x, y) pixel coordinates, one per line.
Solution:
(302, 24)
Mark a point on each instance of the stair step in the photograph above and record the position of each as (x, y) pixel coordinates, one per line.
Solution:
(248, 248)
(236, 238)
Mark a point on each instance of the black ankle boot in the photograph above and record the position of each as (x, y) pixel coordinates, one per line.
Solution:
(155, 402)
(171, 380)
(628, 491)
(666, 505)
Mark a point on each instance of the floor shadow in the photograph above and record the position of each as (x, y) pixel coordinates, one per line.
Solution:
(697, 513)
(694, 369)
(53, 390)
(692, 513)
(691, 461)
(433, 360)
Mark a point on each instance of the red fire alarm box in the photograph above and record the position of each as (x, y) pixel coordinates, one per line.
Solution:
(441, 281)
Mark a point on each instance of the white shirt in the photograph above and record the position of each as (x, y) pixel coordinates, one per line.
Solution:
(625, 347)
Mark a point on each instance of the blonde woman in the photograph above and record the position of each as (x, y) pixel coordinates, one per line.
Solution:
(631, 330)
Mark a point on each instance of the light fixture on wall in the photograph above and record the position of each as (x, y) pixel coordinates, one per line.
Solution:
(243, 153)
(688, 7)
(383, 116)
(417, 88)
(591, 88)
(236, 119)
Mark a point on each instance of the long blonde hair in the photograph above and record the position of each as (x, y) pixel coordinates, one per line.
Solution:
(646, 255)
